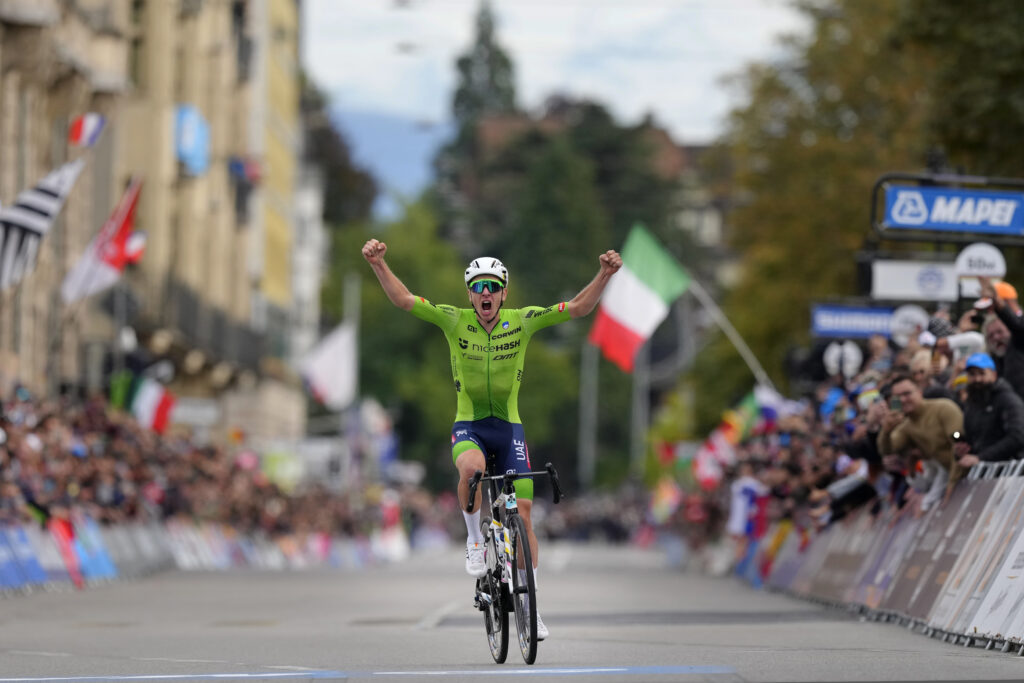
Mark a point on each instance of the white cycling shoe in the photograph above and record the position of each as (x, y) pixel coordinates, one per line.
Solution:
(542, 630)
(476, 566)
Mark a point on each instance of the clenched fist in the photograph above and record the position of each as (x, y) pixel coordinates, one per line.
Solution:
(373, 252)
(610, 261)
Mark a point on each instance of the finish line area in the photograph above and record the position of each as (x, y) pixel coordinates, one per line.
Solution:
(355, 675)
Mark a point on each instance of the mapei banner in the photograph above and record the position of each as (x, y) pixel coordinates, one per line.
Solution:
(954, 210)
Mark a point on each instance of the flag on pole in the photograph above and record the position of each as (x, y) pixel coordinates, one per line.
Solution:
(330, 368)
(146, 398)
(151, 404)
(104, 259)
(24, 224)
(637, 298)
(85, 130)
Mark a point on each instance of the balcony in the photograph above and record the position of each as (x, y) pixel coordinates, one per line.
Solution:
(210, 329)
(37, 13)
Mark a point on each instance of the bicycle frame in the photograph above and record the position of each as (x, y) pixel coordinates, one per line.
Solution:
(508, 592)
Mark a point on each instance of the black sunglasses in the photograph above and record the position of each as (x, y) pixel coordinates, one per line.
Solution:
(491, 286)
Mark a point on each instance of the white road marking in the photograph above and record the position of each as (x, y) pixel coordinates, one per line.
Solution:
(434, 618)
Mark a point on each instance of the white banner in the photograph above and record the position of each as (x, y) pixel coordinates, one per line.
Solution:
(913, 281)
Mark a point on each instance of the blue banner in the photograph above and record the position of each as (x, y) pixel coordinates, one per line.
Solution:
(192, 139)
(955, 210)
(24, 555)
(10, 575)
(849, 321)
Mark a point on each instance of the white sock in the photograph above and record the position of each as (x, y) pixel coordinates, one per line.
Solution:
(522, 577)
(473, 533)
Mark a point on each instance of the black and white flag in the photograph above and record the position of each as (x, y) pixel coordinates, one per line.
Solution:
(24, 224)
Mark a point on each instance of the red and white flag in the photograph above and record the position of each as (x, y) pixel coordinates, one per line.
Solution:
(85, 130)
(152, 404)
(104, 259)
(331, 367)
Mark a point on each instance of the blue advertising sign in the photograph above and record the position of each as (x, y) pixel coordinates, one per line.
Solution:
(954, 210)
(191, 139)
(848, 322)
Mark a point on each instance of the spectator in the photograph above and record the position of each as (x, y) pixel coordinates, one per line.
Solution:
(922, 428)
(993, 416)
(1004, 336)
(924, 366)
(1007, 293)
(879, 354)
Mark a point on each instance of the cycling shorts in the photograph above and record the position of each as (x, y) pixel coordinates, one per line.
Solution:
(502, 443)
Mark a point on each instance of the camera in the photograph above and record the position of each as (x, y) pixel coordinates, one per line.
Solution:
(978, 318)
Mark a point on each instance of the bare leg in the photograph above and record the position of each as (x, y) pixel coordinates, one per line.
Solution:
(468, 463)
(525, 508)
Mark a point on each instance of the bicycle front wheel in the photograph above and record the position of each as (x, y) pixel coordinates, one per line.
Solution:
(495, 612)
(524, 589)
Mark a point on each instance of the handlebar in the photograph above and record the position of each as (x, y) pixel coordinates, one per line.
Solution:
(473, 483)
(549, 471)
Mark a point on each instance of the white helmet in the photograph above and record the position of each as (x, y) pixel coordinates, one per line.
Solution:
(485, 265)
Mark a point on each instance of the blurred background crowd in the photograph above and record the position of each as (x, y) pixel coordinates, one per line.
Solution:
(900, 430)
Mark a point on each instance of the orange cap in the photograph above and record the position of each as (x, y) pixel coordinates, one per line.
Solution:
(1006, 291)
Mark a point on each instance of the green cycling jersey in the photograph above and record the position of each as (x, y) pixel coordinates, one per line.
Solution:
(488, 368)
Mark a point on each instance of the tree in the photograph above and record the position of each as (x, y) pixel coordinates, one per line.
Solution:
(976, 111)
(486, 86)
(349, 191)
(486, 78)
(817, 129)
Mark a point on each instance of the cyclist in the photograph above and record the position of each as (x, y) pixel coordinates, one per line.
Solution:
(488, 347)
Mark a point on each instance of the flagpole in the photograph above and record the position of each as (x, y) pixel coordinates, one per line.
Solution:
(586, 463)
(641, 410)
(737, 341)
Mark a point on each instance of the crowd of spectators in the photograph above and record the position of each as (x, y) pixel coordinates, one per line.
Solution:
(900, 430)
(67, 455)
(61, 455)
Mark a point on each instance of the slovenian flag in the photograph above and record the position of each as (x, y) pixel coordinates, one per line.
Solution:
(85, 130)
(637, 298)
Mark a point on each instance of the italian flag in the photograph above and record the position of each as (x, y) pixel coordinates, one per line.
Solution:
(147, 399)
(637, 298)
(152, 405)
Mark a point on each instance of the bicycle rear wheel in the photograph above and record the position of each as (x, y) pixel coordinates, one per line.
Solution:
(524, 589)
(495, 611)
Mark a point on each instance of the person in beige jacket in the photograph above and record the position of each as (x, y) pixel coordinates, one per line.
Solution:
(923, 429)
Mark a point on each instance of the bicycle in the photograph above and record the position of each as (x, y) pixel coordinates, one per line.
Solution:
(506, 547)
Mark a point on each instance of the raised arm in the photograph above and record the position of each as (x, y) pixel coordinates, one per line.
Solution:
(584, 302)
(398, 293)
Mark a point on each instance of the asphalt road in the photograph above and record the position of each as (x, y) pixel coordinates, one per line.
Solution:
(615, 614)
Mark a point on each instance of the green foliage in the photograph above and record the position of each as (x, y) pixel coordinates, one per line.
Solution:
(349, 191)
(815, 133)
(403, 364)
(976, 111)
(486, 83)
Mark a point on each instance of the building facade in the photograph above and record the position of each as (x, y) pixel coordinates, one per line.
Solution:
(202, 104)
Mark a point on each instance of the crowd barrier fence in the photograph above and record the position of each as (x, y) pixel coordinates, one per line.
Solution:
(955, 572)
(79, 552)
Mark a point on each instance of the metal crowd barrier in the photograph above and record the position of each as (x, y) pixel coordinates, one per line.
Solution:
(955, 573)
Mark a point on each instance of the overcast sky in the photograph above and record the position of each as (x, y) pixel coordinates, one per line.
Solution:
(666, 57)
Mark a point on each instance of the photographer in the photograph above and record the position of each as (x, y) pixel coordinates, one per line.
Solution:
(993, 416)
